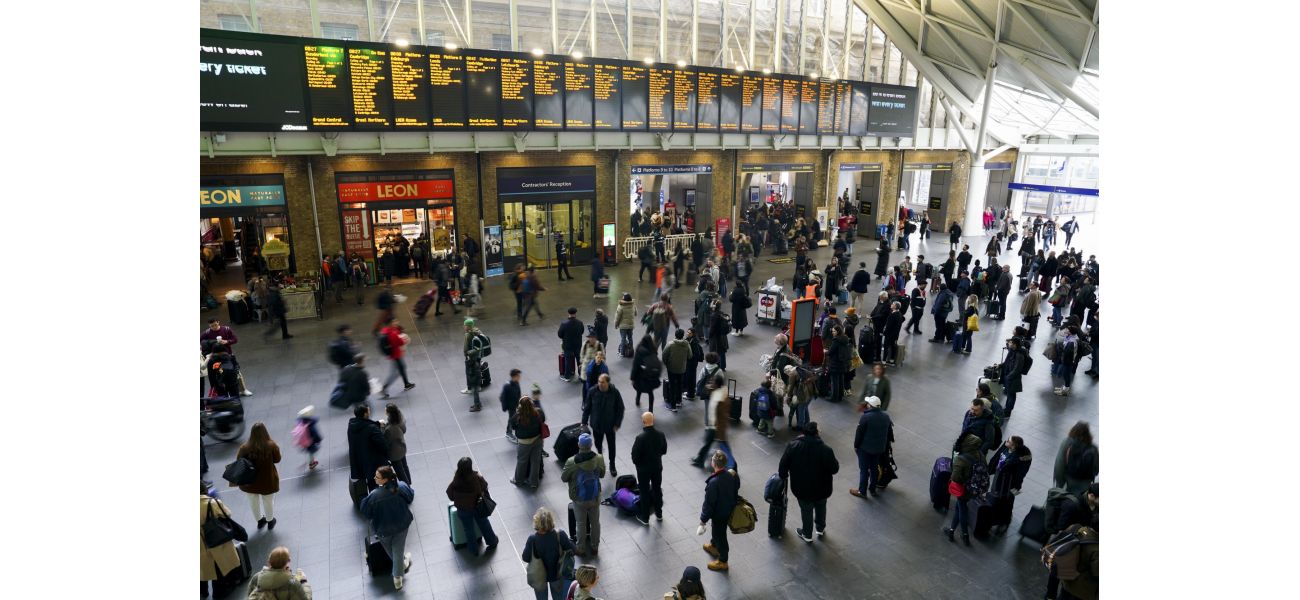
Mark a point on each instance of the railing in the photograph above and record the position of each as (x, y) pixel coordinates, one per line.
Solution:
(633, 245)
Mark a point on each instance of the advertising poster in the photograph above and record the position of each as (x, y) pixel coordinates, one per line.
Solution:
(514, 242)
(493, 250)
(722, 226)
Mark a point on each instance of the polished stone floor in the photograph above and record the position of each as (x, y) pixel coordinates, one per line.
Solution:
(890, 547)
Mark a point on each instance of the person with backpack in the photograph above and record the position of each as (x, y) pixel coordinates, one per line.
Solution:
(342, 349)
(871, 443)
(721, 494)
(647, 455)
(1076, 460)
(367, 448)
(625, 321)
(388, 507)
(970, 480)
(943, 305)
(276, 581)
(1072, 552)
(1060, 297)
(360, 275)
(466, 489)
(659, 315)
(675, 359)
(602, 410)
(394, 428)
(838, 358)
(763, 402)
(528, 422)
(810, 466)
(570, 334)
(353, 386)
(583, 473)
(509, 398)
(392, 343)
(307, 436)
(265, 454)
(591, 346)
(690, 377)
(529, 288)
(1069, 350)
(1014, 365)
(647, 370)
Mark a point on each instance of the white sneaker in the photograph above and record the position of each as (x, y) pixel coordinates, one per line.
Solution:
(246, 393)
(397, 583)
(406, 563)
(465, 391)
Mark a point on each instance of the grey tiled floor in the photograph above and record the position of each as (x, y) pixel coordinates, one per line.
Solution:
(886, 547)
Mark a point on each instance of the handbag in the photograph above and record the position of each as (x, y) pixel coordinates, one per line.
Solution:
(240, 472)
(536, 572)
(566, 560)
(956, 490)
(973, 323)
(546, 431)
(485, 505)
(221, 530)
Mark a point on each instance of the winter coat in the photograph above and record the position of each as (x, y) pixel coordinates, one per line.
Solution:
(649, 449)
(894, 324)
(588, 355)
(872, 435)
(717, 413)
(839, 355)
(861, 282)
(879, 389)
(811, 466)
(603, 410)
(1009, 372)
(570, 334)
(587, 460)
(676, 356)
(718, 329)
(625, 315)
(356, 384)
(983, 426)
(395, 437)
(1030, 308)
(367, 448)
(465, 494)
(642, 381)
(721, 490)
(1009, 469)
(882, 259)
(222, 559)
(879, 315)
(530, 429)
(945, 295)
(963, 464)
(739, 303)
(389, 508)
(510, 395)
(394, 335)
(280, 584)
(342, 352)
(1075, 482)
(267, 480)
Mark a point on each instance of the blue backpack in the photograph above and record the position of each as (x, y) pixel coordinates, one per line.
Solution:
(587, 485)
(762, 403)
(774, 490)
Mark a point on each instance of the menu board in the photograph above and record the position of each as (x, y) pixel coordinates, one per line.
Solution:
(482, 97)
(706, 118)
(808, 115)
(843, 96)
(578, 108)
(254, 85)
(771, 105)
(729, 102)
(372, 88)
(548, 97)
(329, 91)
(683, 100)
(790, 105)
(826, 107)
(410, 95)
(892, 110)
(447, 91)
(660, 113)
(859, 107)
(635, 97)
(751, 104)
(516, 93)
(609, 107)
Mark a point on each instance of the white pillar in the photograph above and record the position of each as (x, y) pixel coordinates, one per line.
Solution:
(976, 192)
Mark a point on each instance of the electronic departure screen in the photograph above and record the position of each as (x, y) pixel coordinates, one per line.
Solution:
(516, 93)
(447, 91)
(328, 89)
(482, 96)
(635, 97)
(808, 106)
(728, 102)
(372, 88)
(578, 83)
(609, 102)
(771, 105)
(858, 126)
(825, 95)
(843, 97)
(410, 94)
(660, 114)
(751, 104)
(706, 98)
(548, 93)
(790, 105)
(683, 100)
(251, 85)
(892, 110)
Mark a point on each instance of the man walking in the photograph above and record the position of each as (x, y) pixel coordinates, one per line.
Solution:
(342, 349)
(570, 334)
(859, 286)
(1070, 228)
(602, 410)
(943, 305)
(367, 449)
(870, 442)
(810, 466)
(477, 345)
(721, 491)
(647, 454)
(954, 235)
(715, 418)
(530, 287)
(675, 358)
(583, 472)
(392, 343)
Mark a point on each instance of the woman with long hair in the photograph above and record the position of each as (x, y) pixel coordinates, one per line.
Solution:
(264, 453)
(528, 421)
(394, 428)
(465, 490)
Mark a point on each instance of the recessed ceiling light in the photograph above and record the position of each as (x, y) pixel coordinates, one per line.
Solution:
(681, 63)
(767, 71)
(740, 69)
(577, 55)
(537, 52)
(402, 42)
(452, 46)
(648, 60)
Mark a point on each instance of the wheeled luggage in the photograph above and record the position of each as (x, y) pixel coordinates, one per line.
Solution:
(573, 527)
(950, 330)
(240, 311)
(982, 509)
(459, 537)
(425, 302)
(939, 477)
(842, 297)
(566, 443)
(377, 558)
(1034, 526)
(776, 512)
(1024, 285)
(560, 362)
(484, 375)
(228, 582)
(602, 285)
(357, 490)
(735, 403)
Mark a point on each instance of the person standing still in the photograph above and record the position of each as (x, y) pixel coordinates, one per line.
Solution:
(810, 465)
(871, 442)
(475, 344)
(583, 473)
(388, 507)
(466, 488)
(394, 428)
(721, 491)
(602, 410)
(570, 334)
(647, 455)
(265, 454)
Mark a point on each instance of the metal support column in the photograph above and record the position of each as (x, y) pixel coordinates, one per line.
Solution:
(663, 29)
(314, 11)
(591, 29)
(695, 32)
(627, 12)
(370, 20)
(843, 71)
(826, 46)
(419, 18)
(780, 35)
(721, 59)
(750, 55)
(252, 16)
(803, 28)
(866, 51)
(555, 28)
(514, 25)
(469, 24)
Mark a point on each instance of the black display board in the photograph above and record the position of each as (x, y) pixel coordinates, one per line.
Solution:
(329, 91)
(843, 101)
(409, 72)
(808, 107)
(751, 104)
(636, 98)
(790, 104)
(892, 110)
(579, 109)
(684, 95)
(729, 88)
(706, 100)
(447, 90)
(607, 94)
(251, 85)
(548, 93)
(516, 93)
(482, 89)
(771, 104)
(372, 88)
(659, 113)
(861, 95)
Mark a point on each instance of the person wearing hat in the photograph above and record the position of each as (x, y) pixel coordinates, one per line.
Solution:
(583, 472)
(721, 492)
(475, 345)
(871, 442)
(810, 466)
(570, 334)
(590, 348)
(688, 588)
(305, 431)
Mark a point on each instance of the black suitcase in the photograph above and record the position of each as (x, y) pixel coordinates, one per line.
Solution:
(1034, 526)
(240, 312)
(1002, 507)
(484, 375)
(573, 527)
(939, 477)
(950, 330)
(1024, 285)
(377, 559)
(982, 509)
(776, 518)
(735, 404)
(424, 303)
(229, 582)
(566, 443)
(357, 490)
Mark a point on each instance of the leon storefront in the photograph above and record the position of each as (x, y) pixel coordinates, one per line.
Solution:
(243, 226)
(385, 214)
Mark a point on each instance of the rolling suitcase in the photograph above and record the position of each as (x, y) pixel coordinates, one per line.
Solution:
(459, 537)
(982, 509)
(377, 558)
(1024, 285)
(423, 305)
(939, 477)
(566, 443)
(484, 375)
(900, 352)
(357, 490)
(735, 403)
(240, 311)
(1002, 506)
(842, 297)
(1034, 526)
(776, 516)
(560, 362)
(229, 582)
(573, 527)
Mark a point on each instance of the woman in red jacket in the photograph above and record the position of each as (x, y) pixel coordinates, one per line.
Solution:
(392, 342)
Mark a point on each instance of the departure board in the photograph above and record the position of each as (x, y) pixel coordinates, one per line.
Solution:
(771, 105)
(548, 94)
(808, 106)
(635, 97)
(482, 85)
(328, 88)
(729, 88)
(447, 91)
(372, 88)
(683, 100)
(516, 93)
(843, 96)
(250, 85)
(706, 99)
(410, 94)
(609, 102)
(578, 108)
(790, 105)
(660, 113)
(826, 107)
(858, 126)
(892, 110)
(751, 104)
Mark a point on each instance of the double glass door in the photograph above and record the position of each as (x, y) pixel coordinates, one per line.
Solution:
(532, 231)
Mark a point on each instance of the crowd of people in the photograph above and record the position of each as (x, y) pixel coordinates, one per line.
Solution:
(690, 364)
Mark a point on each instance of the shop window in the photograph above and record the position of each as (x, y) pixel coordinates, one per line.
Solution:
(338, 31)
(234, 23)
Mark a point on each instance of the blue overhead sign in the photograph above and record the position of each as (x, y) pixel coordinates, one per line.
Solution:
(672, 169)
(1052, 189)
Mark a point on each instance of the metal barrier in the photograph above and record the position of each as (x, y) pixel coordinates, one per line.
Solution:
(633, 245)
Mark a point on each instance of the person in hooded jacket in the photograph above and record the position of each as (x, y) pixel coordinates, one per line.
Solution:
(1009, 373)
(367, 448)
(625, 321)
(811, 466)
(964, 468)
(978, 421)
(838, 357)
(276, 580)
(647, 371)
(688, 588)
(1076, 460)
(586, 512)
(388, 507)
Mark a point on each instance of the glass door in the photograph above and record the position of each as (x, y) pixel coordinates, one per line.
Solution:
(537, 235)
(582, 246)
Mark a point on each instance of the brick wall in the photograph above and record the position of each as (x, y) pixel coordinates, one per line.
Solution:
(297, 199)
(956, 188)
(891, 168)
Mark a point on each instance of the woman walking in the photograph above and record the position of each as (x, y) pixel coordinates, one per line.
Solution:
(528, 422)
(265, 454)
(394, 429)
(739, 303)
(547, 546)
(467, 487)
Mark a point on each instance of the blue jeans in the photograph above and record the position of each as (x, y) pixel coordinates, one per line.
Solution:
(1056, 313)
(801, 416)
(868, 470)
(559, 588)
(395, 545)
(625, 337)
(469, 518)
(960, 515)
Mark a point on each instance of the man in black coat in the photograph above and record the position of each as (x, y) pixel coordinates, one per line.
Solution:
(570, 334)
(602, 410)
(1009, 373)
(859, 285)
(342, 350)
(893, 327)
(948, 267)
(871, 442)
(879, 316)
(647, 454)
(954, 235)
(1003, 290)
(367, 450)
(811, 467)
(356, 384)
(275, 306)
(839, 354)
(964, 258)
(721, 491)
(510, 395)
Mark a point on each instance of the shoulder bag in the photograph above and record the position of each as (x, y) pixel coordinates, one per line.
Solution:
(218, 530)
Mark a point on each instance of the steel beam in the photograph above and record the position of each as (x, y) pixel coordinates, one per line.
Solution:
(803, 28)
(1060, 88)
(314, 11)
(514, 25)
(469, 24)
(663, 29)
(555, 28)
(252, 16)
(952, 116)
(780, 34)
(847, 47)
(826, 47)
(750, 51)
(866, 48)
(419, 19)
(695, 32)
(627, 15)
(370, 20)
(1060, 12)
(1041, 33)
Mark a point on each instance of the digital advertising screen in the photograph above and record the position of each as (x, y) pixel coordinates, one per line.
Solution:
(251, 85)
(891, 110)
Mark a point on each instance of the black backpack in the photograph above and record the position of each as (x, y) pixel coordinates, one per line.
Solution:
(652, 368)
(1026, 361)
(385, 345)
